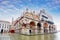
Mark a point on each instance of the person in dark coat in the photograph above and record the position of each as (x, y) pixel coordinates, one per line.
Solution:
(30, 31)
(39, 25)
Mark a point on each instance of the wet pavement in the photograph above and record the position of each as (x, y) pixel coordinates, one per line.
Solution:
(15, 36)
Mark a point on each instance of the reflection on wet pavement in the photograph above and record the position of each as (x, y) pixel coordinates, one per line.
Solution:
(15, 36)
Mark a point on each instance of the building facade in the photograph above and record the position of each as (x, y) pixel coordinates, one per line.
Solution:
(33, 23)
(4, 26)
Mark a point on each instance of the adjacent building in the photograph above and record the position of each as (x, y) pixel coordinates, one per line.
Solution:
(4, 26)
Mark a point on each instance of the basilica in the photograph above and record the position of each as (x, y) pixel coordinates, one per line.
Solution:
(32, 22)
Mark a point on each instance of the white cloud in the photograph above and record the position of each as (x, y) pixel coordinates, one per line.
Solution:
(53, 4)
(56, 19)
(3, 10)
(9, 13)
(56, 1)
(8, 5)
(5, 2)
(58, 27)
(12, 7)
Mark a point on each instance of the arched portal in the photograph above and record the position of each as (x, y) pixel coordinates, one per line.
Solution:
(45, 25)
(32, 23)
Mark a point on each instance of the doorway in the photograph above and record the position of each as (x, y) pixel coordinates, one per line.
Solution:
(1, 30)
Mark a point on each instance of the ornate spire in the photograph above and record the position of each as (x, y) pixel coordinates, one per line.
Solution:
(33, 11)
(42, 11)
(26, 9)
(12, 20)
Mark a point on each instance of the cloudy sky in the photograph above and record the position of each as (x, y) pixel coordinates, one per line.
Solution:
(14, 8)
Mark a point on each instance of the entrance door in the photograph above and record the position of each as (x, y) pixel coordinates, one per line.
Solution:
(1, 30)
(30, 31)
(39, 25)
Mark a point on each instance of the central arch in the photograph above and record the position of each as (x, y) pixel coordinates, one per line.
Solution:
(32, 23)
